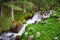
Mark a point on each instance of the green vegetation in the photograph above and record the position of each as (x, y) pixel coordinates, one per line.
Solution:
(21, 10)
(48, 28)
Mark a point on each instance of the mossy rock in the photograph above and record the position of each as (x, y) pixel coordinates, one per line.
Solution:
(16, 26)
(18, 37)
(28, 15)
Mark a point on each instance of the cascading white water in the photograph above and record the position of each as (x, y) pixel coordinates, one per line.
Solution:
(37, 17)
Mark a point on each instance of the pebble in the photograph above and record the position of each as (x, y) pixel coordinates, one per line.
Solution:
(26, 33)
(55, 38)
(38, 34)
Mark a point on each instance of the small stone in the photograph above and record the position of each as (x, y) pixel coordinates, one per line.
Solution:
(31, 37)
(38, 34)
(55, 38)
(26, 33)
(31, 28)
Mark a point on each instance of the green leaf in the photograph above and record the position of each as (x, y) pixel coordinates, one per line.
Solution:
(15, 7)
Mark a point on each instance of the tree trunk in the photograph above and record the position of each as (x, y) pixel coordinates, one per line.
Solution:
(12, 12)
(1, 11)
(24, 9)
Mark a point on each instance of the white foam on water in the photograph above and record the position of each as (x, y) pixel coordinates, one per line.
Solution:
(37, 17)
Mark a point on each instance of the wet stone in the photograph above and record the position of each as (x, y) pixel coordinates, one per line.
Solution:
(18, 37)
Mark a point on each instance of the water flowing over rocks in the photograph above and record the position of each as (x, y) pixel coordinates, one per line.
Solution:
(38, 16)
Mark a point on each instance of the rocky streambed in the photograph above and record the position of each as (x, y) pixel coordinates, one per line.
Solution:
(38, 16)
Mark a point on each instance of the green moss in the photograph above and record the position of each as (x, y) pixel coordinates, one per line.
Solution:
(5, 24)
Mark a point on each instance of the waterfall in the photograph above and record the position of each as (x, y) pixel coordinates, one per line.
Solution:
(37, 17)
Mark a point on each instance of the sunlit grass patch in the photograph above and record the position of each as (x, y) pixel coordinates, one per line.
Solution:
(49, 29)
